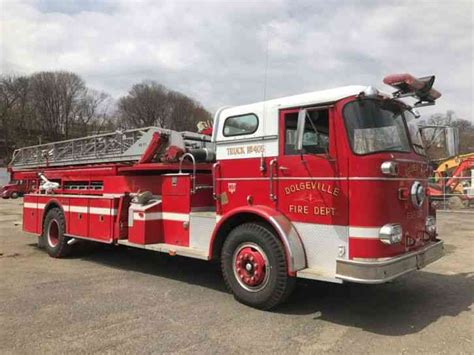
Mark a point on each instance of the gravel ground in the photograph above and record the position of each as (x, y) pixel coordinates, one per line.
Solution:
(115, 299)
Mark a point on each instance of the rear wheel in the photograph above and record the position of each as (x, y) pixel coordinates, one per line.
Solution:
(53, 237)
(254, 266)
(14, 195)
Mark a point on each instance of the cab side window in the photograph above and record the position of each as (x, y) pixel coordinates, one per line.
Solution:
(240, 125)
(316, 132)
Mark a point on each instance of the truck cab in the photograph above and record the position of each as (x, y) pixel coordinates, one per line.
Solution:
(344, 169)
(16, 188)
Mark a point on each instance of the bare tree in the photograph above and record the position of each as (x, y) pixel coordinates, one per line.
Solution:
(91, 113)
(185, 112)
(145, 105)
(13, 109)
(152, 104)
(55, 97)
(51, 106)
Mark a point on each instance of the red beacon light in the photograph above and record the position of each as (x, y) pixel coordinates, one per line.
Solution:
(408, 85)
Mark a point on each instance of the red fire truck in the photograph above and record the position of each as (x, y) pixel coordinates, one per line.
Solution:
(19, 185)
(327, 185)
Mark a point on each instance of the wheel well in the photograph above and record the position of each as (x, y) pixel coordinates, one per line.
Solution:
(233, 222)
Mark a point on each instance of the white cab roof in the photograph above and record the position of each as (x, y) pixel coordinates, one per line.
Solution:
(310, 98)
(267, 111)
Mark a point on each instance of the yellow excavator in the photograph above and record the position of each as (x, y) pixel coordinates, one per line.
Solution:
(450, 164)
(454, 177)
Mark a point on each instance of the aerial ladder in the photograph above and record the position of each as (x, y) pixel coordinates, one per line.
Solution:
(141, 145)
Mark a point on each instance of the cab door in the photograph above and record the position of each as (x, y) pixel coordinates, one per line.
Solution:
(311, 190)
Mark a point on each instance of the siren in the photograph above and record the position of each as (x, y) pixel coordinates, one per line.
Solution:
(408, 85)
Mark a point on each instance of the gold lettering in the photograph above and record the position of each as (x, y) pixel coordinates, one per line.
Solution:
(300, 209)
(324, 211)
(235, 151)
(310, 185)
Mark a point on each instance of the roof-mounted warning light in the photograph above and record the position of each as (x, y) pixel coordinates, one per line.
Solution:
(408, 85)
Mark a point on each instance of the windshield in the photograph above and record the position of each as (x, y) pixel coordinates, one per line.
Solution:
(376, 126)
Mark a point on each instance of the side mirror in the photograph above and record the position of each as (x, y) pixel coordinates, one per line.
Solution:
(452, 141)
(300, 130)
(441, 142)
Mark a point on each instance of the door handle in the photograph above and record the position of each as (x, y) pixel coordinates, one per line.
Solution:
(284, 170)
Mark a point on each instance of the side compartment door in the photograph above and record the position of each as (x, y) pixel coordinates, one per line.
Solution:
(101, 219)
(78, 217)
(30, 214)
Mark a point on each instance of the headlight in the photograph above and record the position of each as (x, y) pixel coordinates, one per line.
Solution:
(391, 233)
(430, 225)
(417, 194)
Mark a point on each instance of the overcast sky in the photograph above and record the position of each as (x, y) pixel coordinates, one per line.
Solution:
(215, 51)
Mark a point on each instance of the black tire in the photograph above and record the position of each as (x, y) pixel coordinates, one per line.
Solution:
(53, 236)
(256, 239)
(14, 195)
(41, 242)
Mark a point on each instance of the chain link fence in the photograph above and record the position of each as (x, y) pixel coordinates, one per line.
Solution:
(449, 193)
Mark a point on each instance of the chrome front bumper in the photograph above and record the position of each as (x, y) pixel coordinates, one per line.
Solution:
(375, 272)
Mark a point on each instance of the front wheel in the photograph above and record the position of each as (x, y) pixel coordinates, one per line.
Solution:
(53, 238)
(254, 266)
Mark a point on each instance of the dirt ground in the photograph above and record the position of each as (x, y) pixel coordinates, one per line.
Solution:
(116, 299)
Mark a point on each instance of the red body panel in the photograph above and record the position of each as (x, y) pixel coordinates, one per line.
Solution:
(30, 214)
(77, 220)
(147, 226)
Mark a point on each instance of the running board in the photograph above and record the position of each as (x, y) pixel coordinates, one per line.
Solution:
(169, 249)
(317, 274)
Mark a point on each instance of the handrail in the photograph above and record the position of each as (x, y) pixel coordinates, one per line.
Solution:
(273, 196)
(193, 177)
(214, 180)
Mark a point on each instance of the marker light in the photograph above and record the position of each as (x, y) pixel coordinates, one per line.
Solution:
(430, 225)
(391, 233)
(389, 168)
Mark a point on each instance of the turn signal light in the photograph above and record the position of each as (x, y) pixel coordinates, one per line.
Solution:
(391, 233)
(403, 193)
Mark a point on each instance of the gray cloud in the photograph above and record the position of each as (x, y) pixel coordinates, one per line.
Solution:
(215, 51)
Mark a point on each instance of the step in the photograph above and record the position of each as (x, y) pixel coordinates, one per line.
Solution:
(317, 274)
(204, 214)
(169, 249)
